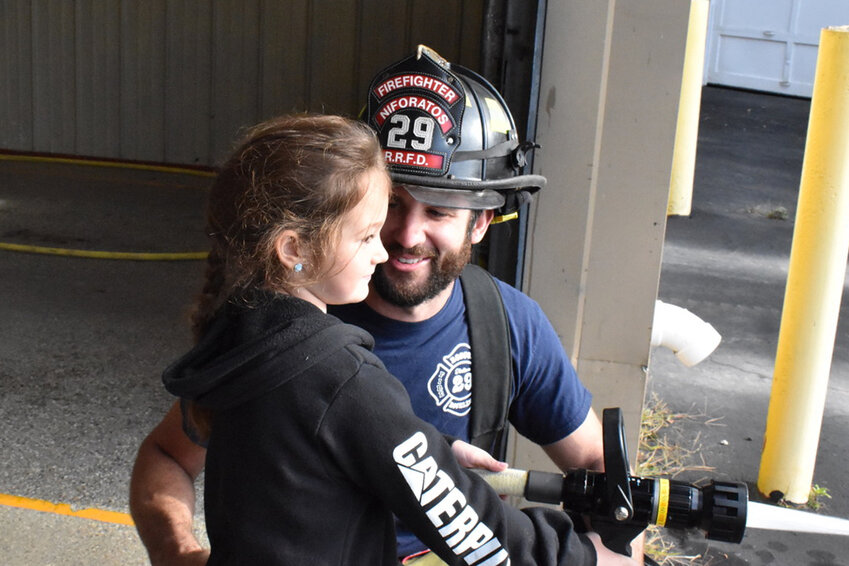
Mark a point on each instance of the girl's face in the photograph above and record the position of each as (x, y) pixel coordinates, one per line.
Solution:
(358, 249)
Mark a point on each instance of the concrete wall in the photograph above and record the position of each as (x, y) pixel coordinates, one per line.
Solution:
(611, 79)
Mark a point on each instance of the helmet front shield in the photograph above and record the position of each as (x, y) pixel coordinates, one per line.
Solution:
(448, 135)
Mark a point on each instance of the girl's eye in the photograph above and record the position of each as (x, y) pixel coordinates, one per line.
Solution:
(368, 238)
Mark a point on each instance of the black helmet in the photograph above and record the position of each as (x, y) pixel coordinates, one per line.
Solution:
(448, 136)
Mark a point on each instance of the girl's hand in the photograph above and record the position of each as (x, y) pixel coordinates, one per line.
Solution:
(470, 456)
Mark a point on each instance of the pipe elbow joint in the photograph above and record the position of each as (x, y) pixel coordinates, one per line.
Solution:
(688, 336)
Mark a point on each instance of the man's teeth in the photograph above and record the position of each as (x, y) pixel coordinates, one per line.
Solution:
(409, 261)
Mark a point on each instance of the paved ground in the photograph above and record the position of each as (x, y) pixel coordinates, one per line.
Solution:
(82, 344)
(82, 341)
(727, 262)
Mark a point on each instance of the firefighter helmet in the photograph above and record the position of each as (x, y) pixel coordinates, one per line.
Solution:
(448, 135)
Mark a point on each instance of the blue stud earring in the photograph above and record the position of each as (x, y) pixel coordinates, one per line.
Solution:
(299, 267)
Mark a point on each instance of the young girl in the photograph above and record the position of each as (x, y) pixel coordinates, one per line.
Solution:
(312, 445)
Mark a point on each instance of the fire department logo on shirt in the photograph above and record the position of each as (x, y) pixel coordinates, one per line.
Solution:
(451, 383)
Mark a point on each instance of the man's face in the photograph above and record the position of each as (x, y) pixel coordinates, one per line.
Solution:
(428, 247)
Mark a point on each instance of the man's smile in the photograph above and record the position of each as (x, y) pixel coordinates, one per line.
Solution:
(407, 263)
(407, 260)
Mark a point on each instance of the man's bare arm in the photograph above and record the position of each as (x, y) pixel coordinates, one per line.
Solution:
(162, 494)
(584, 448)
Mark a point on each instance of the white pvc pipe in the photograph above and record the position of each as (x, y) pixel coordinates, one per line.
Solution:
(689, 337)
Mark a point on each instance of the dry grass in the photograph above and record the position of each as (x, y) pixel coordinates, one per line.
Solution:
(663, 551)
(660, 457)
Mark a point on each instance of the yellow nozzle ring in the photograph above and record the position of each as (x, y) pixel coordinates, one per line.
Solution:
(662, 502)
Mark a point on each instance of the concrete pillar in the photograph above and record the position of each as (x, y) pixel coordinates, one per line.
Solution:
(687, 132)
(814, 283)
(611, 78)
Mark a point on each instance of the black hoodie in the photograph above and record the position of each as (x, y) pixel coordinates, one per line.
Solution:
(314, 446)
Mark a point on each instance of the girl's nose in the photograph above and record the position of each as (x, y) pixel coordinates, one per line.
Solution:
(381, 255)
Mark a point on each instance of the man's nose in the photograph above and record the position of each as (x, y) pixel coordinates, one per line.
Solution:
(407, 229)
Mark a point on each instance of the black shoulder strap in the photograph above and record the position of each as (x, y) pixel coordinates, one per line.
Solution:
(492, 363)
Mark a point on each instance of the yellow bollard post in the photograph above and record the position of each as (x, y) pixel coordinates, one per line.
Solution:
(689, 104)
(814, 283)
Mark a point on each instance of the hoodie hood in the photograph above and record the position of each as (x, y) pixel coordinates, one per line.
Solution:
(254, 345)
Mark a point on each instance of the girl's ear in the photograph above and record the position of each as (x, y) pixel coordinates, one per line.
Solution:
(287, 246)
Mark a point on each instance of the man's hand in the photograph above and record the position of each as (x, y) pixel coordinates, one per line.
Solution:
(470, 456)
(607, 557)
(584, 448)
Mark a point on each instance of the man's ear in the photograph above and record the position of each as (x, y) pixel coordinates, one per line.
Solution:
(481, 225)
(287, 246)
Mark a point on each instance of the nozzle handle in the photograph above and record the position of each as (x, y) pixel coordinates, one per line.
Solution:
(618, 485)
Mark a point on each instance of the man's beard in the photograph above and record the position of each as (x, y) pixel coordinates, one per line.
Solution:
(444, 268)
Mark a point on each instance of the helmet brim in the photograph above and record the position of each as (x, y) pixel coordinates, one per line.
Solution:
(466, 193)
(519, 182)
(455, 198)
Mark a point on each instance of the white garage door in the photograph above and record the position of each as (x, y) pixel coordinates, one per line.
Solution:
(769, 45)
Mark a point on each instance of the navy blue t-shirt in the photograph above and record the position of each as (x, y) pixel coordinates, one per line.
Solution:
(433, 360)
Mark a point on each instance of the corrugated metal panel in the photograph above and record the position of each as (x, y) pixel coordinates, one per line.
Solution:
(447, 38)
(176, 80)
(97, 67)
(385, 37)
(54, 95)
(236, 52)
(188, 77)
(142, 46)
(333, 50)
(16, 75)
(284, 66)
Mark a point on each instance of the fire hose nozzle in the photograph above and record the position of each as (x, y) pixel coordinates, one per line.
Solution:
(718, 509)
(725, 511)
(621, 506)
